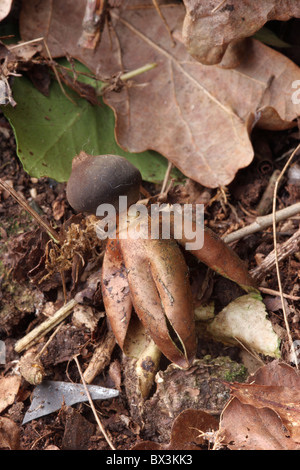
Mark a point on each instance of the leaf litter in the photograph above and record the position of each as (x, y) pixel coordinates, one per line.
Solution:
(273, 398)
(264, 414)
(215, 35)
(161, 106)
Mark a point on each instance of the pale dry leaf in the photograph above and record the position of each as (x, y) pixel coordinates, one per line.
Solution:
(214, 35)
(9, 434)
(198, 117)
(9, 387)
(84, 317)
(244, 321)
(5, 7)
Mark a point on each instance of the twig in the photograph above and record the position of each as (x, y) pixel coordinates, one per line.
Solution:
(93, 407)
(93, 23)
(266, 290)
(283, 251)
(42, 39)
(138, 71)
(249, 351)
(265, 203)
(23, 203)
(262, 222)
(218, 6)
(101, 358)
(37, 333)
(276, 255)
(166, 178)
(103, 86)
(39, 354)
(56, 73)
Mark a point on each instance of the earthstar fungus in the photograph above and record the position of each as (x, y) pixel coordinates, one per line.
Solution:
(144, 275)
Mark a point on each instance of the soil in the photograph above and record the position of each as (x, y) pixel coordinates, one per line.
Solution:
(30, 291)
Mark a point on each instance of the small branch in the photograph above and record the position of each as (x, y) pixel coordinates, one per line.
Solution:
(103, 86)
(266, 290)
(284, 250)
(37, 333)
(23, 203)
(138, 71)
(262, 222)
(93, 407)
(101, 358)
(166, 178)
(218, 6)
(93, 23)
(276, 256)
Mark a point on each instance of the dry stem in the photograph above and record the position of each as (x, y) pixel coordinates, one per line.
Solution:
(23, 203)
(101, 358)
(262, 222)
(166, 178)
(93, 407)
(265, 203)
(283, 251)
(276, 255)
(37, 333)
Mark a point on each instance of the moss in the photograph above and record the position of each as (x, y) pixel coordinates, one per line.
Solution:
(224, 368)
(17, 224)
(16, 300)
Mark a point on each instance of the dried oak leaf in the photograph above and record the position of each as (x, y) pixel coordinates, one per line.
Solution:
(187, 432)
(198, 117)
(283, 400)
(211, 36)
(9, 434)
(26, 252)
(262, 408)
(9, 387)
(247, 428)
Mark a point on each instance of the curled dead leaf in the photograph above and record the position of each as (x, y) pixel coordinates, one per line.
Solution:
(283, 400)
(244, 427)
(9, 434)
(9, 387)
(213, 35)
(254, 418)
(189, 431)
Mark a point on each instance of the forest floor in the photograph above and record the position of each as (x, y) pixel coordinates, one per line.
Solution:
(25, 302)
